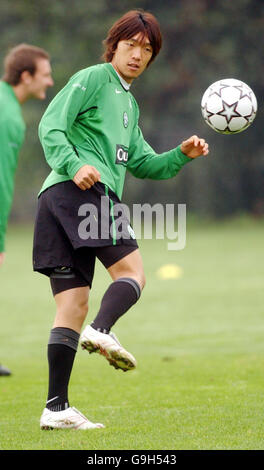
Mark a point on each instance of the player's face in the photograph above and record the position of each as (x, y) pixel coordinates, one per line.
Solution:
(41, 80)
(132, 56)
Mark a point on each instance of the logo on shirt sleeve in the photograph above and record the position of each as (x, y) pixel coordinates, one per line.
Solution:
(121, 155)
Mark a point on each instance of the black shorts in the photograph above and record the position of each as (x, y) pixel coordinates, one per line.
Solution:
(73, 227)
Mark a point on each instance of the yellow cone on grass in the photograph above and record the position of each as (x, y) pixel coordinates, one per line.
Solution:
(169, 271)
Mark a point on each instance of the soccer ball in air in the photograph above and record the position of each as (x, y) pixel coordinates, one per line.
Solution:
(229, 106)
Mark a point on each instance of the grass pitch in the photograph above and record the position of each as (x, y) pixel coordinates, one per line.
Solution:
(198, 340)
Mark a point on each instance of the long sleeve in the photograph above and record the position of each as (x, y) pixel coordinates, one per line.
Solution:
(144, 162)
(58, 120)
(11, 138)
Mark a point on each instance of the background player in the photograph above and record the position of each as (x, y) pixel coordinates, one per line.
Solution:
(90, 136)
(27, 74)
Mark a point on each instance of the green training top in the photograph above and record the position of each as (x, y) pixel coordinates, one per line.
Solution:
(94, 120)
(12, 131)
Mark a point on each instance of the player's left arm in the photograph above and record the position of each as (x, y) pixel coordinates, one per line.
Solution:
(144, 162)
(194, 147)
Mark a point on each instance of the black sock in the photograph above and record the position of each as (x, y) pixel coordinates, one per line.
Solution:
(119, 297)
(62, 348)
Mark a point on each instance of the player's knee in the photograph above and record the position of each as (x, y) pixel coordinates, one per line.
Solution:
(139, 277)
(142, 281)
(76, 310)
(81, 308)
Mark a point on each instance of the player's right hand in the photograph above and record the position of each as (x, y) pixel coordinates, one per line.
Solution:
(2, 257)
(86, 176)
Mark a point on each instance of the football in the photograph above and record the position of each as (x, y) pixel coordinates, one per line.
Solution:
(229, 106)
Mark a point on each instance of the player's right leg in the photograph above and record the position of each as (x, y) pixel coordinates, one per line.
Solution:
(72, 308)
(53, 255)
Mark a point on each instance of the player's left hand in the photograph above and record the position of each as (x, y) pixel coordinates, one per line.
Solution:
(194, 147)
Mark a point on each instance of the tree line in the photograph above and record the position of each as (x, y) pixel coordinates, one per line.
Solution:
(203, 41)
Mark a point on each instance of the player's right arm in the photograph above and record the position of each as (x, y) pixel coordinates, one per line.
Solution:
(6, 197)
(11, 141)
(86, 176)
(56, 123)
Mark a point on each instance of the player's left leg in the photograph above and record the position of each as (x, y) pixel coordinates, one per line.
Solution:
(129, 280)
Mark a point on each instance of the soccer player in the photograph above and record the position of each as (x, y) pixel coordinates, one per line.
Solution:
(90, 136)
(27, 74)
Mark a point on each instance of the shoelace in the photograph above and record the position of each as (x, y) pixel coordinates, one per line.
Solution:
(79, 413)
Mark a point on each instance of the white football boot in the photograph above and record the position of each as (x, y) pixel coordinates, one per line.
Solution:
(70, 418)
(107, 345)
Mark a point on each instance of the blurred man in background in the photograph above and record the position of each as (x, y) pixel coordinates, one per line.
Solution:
(27, 74)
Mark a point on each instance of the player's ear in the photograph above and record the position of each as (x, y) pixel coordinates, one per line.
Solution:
(114, 47)
(26, 77)
(113, 51)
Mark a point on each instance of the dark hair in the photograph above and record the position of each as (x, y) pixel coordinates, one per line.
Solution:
(20, 58)
(133, 22)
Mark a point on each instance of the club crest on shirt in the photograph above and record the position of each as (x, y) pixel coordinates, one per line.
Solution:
(125, 119)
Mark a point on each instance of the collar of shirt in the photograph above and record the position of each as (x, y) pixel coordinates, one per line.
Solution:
(8, 89)
(123, 82)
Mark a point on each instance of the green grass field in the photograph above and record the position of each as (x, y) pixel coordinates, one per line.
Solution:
(198, 340)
